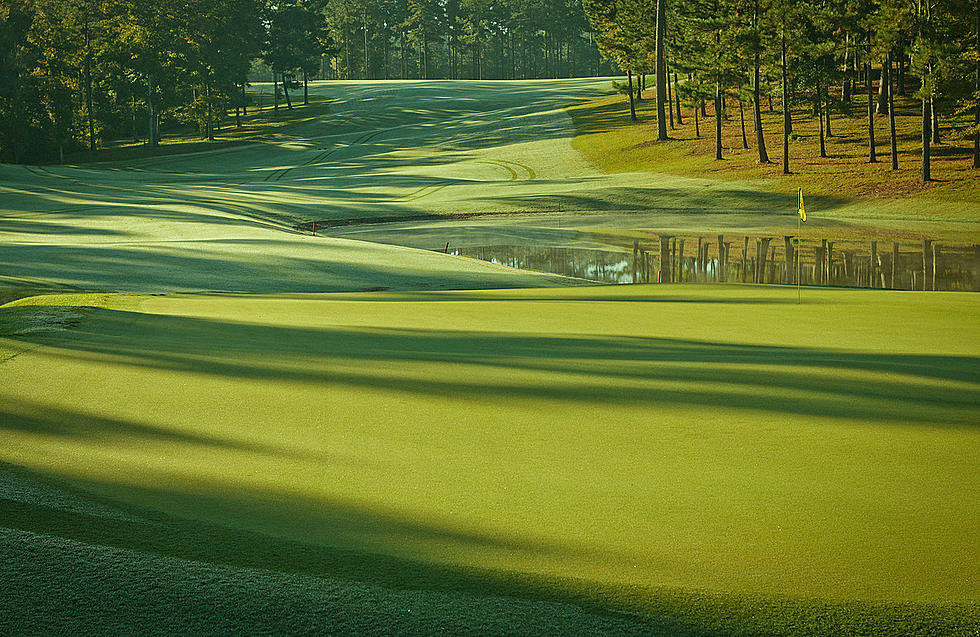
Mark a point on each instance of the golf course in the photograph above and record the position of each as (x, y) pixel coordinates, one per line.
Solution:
(249, 389)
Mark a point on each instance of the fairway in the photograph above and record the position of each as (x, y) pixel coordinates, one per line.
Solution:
(227, 220)
(213, 421)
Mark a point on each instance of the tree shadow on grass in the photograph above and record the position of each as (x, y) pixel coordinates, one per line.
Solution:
(261, 562)
(50, 421)
(21, 226)
(113, 567)
(715, 198)
(656, 372)
(249, 265)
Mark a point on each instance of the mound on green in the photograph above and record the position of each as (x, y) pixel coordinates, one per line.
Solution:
(703, 459)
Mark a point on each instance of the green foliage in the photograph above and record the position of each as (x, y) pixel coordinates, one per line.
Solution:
(143, 64)
(809, 45)
(456, 39)
(134, 61)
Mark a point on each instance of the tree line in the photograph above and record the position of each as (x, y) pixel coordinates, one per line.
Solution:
(461, 39)
(814, 53)
(77, 73)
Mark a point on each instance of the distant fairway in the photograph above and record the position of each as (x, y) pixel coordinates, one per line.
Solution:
(225, 220)
(211, 421)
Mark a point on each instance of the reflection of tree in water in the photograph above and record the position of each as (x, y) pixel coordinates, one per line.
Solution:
(594, 265)
(904, 266)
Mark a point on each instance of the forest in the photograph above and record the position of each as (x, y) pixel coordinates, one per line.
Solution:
(77, 74)
(810, 53)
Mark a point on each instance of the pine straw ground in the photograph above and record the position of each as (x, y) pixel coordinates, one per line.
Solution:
(609, 140)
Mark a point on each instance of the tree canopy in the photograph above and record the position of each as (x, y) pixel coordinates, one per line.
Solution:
(799, 49)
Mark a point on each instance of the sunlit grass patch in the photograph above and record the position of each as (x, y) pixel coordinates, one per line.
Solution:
(702, 453)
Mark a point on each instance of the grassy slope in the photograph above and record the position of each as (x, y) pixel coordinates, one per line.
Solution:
(857, 188)
(223, 220)
(625, 448)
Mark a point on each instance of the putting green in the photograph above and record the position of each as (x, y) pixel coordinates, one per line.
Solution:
(708, 439)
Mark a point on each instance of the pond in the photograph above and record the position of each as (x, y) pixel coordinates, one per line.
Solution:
(594, 265)
(905, 265)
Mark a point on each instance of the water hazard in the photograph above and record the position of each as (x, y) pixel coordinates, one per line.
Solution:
(925, 265)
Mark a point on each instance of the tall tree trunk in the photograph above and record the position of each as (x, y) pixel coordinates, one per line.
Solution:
(823, 143)
(926, 102)
(88, 87)
(926, 138)
(718, 116)
(209, 125)
(132, 108)
(661, 72)
(275, 92)
(697, 125)
(347, 65)
(677, 99)
(306, 89)
(670, 100)
(760, 139)
(151, 115)
(827, 110)
(882, 107)
(846, 84)
(872, 157)
(741, 117)
(787, 117)
(901, 71)
(598, 56)
(387, 56)
(629, 79)
(404, 61)
(893, 141)
(244, 101)
(976, 108)
(513, 56)
(285, 92)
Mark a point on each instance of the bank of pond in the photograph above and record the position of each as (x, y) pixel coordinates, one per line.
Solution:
(900, 265)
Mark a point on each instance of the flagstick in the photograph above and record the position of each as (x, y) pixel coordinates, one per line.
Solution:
(799, 246)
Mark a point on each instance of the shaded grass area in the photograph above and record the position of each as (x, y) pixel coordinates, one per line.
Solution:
(629, 451)
(608, 139)
(135, 569)
(271, 263)
(10, 293)
(260, 122)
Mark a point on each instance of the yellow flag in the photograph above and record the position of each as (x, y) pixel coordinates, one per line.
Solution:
(802, 210)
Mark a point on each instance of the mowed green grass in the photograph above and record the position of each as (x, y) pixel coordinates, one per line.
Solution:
(710, 459)
(244, 444)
